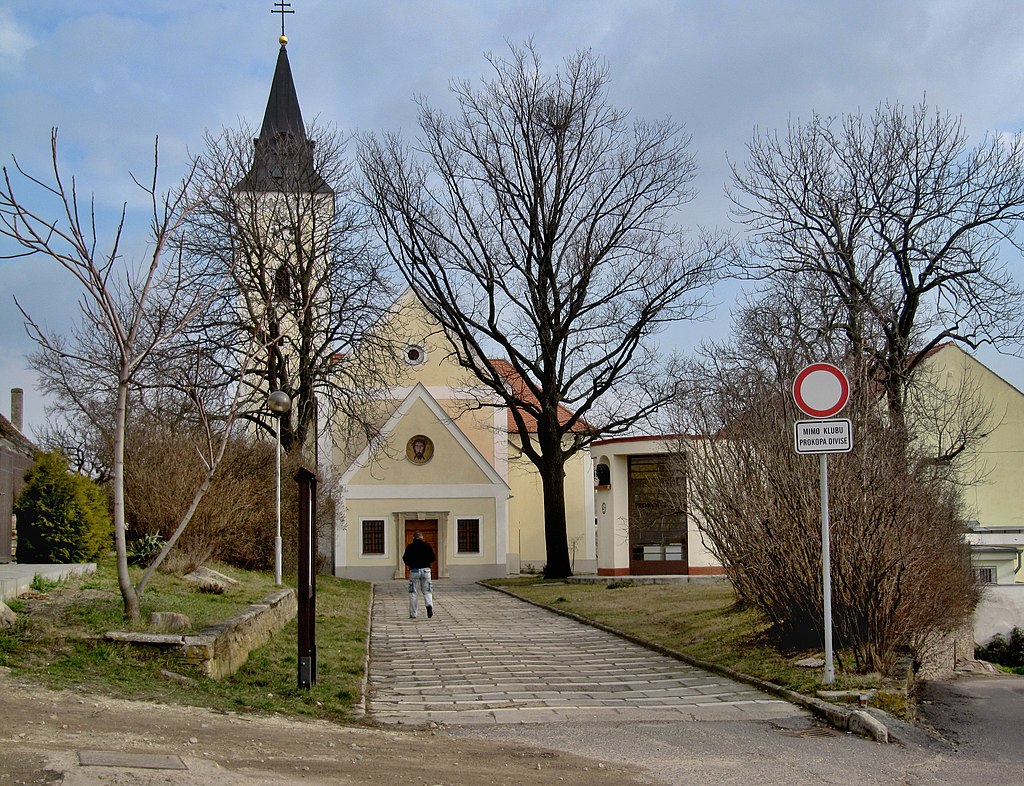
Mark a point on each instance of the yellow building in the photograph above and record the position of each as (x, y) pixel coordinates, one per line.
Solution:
(993, 477)
(447, 464)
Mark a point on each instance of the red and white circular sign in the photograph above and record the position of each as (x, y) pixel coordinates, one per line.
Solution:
(821, 390)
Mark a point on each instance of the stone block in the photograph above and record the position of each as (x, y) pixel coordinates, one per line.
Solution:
(170, 621)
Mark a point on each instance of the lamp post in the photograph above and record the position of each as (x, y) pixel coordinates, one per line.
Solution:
(279, 403)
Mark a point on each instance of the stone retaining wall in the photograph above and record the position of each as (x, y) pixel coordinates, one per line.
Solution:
(222, 648)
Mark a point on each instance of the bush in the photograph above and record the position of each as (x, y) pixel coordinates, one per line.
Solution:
(233, 524)
(62, 516)
(1005, 653)
(901, 575)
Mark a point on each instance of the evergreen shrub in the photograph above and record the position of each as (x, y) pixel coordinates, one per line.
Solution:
(62, 516)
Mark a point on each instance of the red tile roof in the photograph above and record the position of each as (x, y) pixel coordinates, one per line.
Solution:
(522, 391)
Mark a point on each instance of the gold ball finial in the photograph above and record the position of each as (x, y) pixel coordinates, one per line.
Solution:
(283, 40)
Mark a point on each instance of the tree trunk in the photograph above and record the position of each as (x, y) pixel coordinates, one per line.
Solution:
(131, 599)
(552, 473)
(555, 539)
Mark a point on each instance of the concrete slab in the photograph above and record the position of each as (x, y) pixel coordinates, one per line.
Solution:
(143, 761)
(16, 578)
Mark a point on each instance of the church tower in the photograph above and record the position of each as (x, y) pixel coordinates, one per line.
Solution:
(284, 217)
(283, 155)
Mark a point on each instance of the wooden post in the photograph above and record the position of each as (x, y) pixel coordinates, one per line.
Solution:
(307, 577)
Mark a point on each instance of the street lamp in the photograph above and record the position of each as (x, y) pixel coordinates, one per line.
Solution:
(279, 404)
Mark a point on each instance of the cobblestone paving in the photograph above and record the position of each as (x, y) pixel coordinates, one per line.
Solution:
(487, 658)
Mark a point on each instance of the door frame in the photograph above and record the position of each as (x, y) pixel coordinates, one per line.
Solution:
(431, 534)
(403, 520)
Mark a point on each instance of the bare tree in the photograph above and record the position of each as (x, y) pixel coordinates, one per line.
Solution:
(85, 447)
(899, 223)
(534, 223)
(130, 315)
(307, 280)
(900, 567)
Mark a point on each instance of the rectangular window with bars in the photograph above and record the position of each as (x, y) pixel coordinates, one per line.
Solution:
(467, 536)
(373, 536)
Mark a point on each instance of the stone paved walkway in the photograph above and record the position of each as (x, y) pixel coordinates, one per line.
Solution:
(487, 658)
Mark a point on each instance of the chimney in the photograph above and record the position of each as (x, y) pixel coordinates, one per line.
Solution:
(18, 409)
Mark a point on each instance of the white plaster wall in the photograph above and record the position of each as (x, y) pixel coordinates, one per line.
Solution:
(1000, 611)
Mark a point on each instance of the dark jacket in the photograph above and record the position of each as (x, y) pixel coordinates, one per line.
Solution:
(418, 554)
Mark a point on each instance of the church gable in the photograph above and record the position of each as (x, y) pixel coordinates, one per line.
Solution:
(421, 445)
(426, 350)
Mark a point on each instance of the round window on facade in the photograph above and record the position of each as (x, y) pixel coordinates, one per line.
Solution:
(414, 355)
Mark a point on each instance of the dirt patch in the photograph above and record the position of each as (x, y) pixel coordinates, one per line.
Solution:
(44, 730)
(49, 610)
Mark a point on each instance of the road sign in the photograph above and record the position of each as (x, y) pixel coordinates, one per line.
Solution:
(823, 436)
(821, 390)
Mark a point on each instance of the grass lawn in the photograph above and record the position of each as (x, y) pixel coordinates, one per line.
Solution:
(58, 641)
(700, 619)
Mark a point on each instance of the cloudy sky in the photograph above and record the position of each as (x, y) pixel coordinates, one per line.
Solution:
(115, 74)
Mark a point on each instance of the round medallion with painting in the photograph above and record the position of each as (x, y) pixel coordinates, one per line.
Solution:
(419, 449)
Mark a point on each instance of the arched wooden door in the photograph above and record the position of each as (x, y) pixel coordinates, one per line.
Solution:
(428, 527)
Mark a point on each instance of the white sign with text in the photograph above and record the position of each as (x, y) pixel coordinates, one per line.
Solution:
(823, 436)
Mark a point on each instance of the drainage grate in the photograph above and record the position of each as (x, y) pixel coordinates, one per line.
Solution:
(817, 731)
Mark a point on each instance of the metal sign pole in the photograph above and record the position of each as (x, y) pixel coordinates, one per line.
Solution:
(826, 571)
(821, 390)
(277, 540)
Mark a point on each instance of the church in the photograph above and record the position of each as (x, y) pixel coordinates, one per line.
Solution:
(447, 464)
(446, 460)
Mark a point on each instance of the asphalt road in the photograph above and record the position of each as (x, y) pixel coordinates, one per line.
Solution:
(981, 716)
(978, 739)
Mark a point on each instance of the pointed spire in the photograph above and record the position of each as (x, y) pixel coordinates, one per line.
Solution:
(283, 115)
(283, 156)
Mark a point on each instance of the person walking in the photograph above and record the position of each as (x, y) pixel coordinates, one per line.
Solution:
(418, 556)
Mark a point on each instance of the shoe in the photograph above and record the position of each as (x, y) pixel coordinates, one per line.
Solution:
(412, 616)
(430, 612)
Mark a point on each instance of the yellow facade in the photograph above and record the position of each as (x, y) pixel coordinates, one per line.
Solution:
(526, 513)
(993, 478)
(467, 479)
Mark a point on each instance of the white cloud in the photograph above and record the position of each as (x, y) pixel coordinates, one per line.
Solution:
(14, 40)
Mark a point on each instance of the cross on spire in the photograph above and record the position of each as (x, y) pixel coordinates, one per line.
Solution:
(282, 8)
